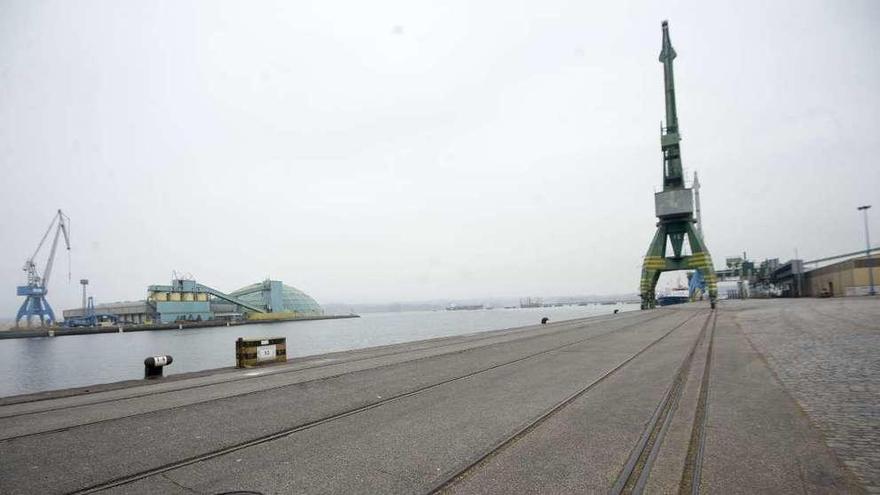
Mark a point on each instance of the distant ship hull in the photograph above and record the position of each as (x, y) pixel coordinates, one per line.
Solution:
(454, 307)
(670, 300)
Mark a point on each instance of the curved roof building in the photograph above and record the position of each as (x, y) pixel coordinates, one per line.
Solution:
(278, 298)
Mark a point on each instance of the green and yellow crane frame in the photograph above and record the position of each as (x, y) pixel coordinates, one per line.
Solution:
(674, 205)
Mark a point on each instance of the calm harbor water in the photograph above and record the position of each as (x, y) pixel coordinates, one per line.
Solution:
(39, 364)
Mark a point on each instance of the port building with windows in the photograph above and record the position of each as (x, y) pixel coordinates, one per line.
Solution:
(845, 278)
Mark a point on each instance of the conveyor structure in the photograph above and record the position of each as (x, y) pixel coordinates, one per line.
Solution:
(189, 300)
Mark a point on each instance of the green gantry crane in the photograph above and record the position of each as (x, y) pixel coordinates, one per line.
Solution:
(674, 205)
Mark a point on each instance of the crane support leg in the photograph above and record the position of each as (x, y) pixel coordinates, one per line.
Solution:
(36, 306)
(656, 260)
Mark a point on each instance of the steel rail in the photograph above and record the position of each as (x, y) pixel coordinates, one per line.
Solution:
(693, 471)
(267, 389)
(477, 461)
(123, 480)
(634, 475)
(560, 327)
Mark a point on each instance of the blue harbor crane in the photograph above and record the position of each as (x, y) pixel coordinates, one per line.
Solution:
(35, 303)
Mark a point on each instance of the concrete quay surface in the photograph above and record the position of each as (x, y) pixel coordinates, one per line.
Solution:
(761, 396)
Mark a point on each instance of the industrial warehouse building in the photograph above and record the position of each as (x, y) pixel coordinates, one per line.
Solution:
(188, 300)
(846, 278)
(126, 312)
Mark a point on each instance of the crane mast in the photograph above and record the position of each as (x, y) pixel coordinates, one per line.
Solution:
(35, 303)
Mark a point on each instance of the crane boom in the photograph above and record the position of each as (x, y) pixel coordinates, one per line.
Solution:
(42, 241)
(670, 137)
(62, 227)
(667, 55)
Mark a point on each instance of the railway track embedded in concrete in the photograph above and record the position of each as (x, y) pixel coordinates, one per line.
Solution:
(563, 328)
(634, 476)
(212, 454)
(479, 460)
(690, 481)
(560, 327)
(682, 404)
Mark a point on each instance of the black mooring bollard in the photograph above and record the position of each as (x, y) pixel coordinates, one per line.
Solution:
(544, 320)
(153, 365)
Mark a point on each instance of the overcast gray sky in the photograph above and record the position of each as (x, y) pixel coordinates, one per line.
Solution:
(379, 151)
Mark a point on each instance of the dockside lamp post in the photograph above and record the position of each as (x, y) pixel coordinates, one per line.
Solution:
(868, 260)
